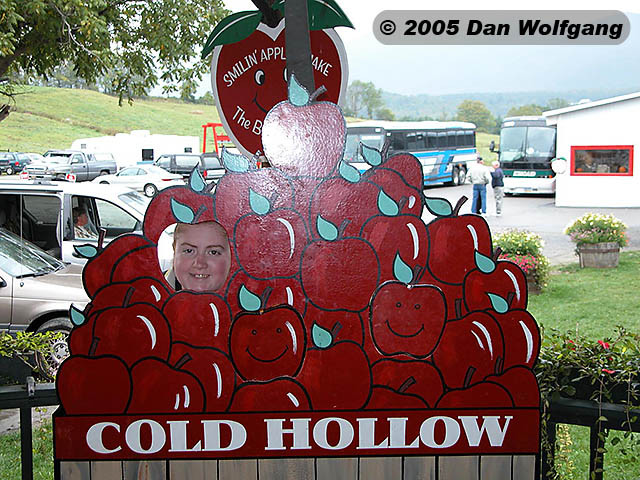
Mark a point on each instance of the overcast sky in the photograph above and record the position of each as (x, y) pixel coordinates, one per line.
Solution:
(437, 70)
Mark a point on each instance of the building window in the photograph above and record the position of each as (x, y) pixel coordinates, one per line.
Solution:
(602, 160)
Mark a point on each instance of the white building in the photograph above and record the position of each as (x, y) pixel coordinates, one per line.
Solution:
(598, 140)
(131, 148)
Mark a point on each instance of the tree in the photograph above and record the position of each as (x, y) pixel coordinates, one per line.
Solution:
(554, 103)
(140, 43)
(362, 97)
(475, 111)
(524, 110)
(384, 114)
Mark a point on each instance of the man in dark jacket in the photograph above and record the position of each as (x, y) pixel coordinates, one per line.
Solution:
(497, 183)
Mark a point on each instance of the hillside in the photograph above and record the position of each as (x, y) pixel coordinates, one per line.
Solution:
(47, 118)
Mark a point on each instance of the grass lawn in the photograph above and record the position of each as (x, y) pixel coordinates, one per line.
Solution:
(592, 301)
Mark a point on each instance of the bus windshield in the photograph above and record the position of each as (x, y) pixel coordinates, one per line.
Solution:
(527, 144)
(352, 151)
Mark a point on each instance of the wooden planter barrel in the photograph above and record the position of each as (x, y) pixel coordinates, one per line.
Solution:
(599, 255)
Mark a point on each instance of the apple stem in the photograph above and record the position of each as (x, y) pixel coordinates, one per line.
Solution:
(200, 211)
(458, 307)
(510, 298)
(343, 227)
(101, 236)
(183, 359)
(499, 365)
(496, 254)
(265, 296)
(458, 206)
(94, 346)
(319, 91)
(385, 149)
(209, 188)
(407, 383)
(415, 274)
(468, 376)
(402, 202)
(127, 297)
(336, 328)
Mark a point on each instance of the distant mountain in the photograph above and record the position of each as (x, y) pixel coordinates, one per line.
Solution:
(445, 106)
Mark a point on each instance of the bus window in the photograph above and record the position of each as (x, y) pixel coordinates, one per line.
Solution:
(470, 138)
(432, 140)
(398, 141)
(415, 141)
(452, 141)
(442, 140)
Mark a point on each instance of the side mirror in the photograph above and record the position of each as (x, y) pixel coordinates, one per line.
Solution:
(2, 283)
(492, 146)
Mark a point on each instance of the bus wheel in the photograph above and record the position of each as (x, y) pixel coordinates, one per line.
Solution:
(462, 176)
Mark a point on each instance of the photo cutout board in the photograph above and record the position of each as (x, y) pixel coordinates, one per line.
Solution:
(346, 327)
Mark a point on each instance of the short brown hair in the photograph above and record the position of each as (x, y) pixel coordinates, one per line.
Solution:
(181, 226)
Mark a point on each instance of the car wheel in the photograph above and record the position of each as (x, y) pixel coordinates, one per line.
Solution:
(9, 170)
(103, 182)
(48, 364)
(104, 172)
(462, 176)
(150, 190)
(454, 177)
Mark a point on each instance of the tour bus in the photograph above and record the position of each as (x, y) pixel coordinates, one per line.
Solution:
(527, 146)
(443, 148)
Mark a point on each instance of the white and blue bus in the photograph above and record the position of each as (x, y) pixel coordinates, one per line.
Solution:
(527, 146)
(443, 148)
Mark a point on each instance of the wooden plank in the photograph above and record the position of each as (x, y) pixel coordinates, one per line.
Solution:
(456, 468)
(106, 470)
(145, 470)
(75, 471)
(193, 470)
(419, 468)
(524, 467)
(380, 468)
(279, 468)
(237, 469)
(495, 467)
(336, 469)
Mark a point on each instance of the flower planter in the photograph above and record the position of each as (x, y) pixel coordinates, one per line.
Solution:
(599, 255)
(533, 288)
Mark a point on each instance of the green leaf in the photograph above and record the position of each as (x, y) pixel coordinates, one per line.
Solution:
(76, 315)
(182, 212)
(387, 205)
(321, 337)
(498, 303)
(86, 251)
(298, 95)
(349, 172)
(232, 29)
(322, 14)
(439, 207)
(372, 156)
(484, 263)
(259, 204)
(249, 301)
(234, 162)
(327, 230)
(401, 270)
(196, 181)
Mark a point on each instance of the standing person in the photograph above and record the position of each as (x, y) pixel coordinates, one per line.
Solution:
(480, 177)
(497, 183)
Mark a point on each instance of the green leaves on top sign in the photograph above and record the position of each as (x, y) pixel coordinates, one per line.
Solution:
(181, 212)
(440, 207)
(196, 181)
(322, 14)
(232, 29)
(371, 155)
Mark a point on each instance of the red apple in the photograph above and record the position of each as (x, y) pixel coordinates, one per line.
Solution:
(470, 350)
(343, 325)
(480, 395)
(161, 388)
(521, 338)
(395, 185)
(212, 368)
(387, 398)
(199, 319)
(89, 385)
(409, 167)
(395, 373)
(267, 344)
(276, 291)
(276, 395)
(522, 384)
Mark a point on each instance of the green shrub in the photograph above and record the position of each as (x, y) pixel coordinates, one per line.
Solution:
(597, 228)
(524, 248)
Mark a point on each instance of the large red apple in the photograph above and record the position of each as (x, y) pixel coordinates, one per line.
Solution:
(249, 78)
(272, 292)
(521, 338)
(394, 184)
(267, 344)
(395, 373)
(480, 395)
(343, 325)
(522, 384)
(387, 398)
(277, 395)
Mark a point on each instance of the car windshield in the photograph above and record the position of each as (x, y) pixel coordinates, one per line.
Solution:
(103, 156)
(58, 159)
(20, 258)
(136, 201)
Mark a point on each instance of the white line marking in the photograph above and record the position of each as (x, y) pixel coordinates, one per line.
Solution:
(293, 399)
(216, 319)
(293, 336)
(529, 337)
(187, 398)
(292, 236)
(414, 235)
(152, 331)
(478, 339)
(515, 282)
(474, 234)
(289, 296)
(156, 293)
(412, 201)
(486, 335)
(175, 407)
(219, 378)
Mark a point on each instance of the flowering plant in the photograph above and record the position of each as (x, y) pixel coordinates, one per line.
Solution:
(524, 248)
(597, 228)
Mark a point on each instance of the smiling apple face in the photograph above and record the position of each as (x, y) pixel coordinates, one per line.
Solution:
(267, 345)
(249, 78)
(407, 318)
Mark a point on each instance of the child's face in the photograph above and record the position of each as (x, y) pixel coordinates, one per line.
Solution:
(201, 257)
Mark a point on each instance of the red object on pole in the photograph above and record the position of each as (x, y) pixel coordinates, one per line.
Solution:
(217, 136)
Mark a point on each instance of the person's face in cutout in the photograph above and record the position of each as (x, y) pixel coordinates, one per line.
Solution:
(201, 256)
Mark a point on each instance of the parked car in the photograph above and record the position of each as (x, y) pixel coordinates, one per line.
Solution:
(42, 213)
(12, 162)
(148, 179)
(36, 291)
(60, 163)
(183, 164)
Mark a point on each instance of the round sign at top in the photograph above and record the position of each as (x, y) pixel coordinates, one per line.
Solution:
(249, 77)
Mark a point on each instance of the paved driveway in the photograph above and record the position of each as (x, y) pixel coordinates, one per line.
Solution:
(540, 215)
